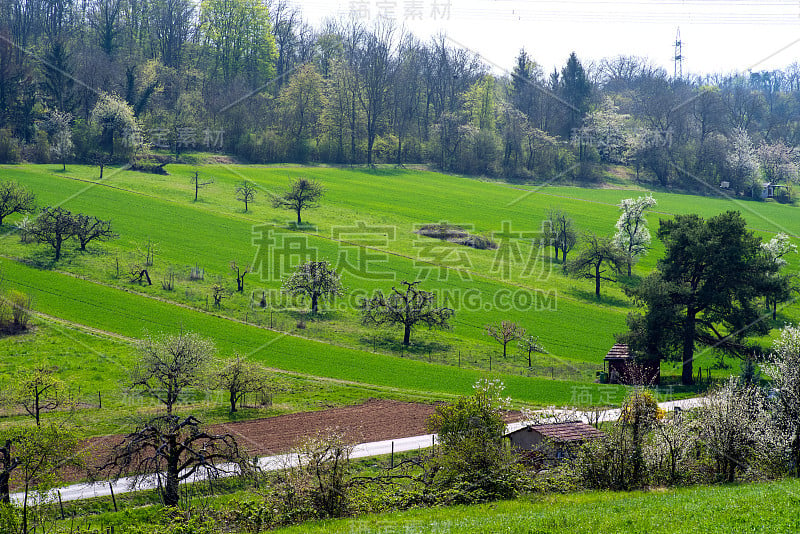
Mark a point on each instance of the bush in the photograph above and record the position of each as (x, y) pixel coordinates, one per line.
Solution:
(783, 195)
(149, 165)
(15, 311)
(474, 463)
(40, 151)
(9, 147)
(456, 234)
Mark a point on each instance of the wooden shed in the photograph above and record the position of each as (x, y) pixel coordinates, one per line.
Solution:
(622, 368)
(554, 441)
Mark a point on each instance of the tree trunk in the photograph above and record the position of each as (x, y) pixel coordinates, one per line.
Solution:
(25, 510)
(58, 249)
(504, 350)
(232, 399)
(597, 280)
(299, 222)
(407, 335)
(5, 474)
(314, 306)
(171, 495)
(5, 490)
(399, 151)
(688, 347)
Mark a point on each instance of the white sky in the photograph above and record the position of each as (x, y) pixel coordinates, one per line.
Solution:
(718, 35)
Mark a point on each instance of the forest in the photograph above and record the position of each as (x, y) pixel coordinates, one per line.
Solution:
(148, 81)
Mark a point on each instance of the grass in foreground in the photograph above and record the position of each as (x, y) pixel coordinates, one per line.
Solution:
(765, 507)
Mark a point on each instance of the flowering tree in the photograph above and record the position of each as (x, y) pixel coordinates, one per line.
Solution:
(742, 160)
(780, 287)
(115, 118)
(61, 144)
(732, 425)
(632, 235)
(784, 369)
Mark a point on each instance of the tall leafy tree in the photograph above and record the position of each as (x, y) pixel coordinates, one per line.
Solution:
(575, 89)
(375, 68)
(238, 39)
(703, 291)
(301, 102)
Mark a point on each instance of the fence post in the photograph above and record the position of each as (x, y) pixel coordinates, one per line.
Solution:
(113, 498)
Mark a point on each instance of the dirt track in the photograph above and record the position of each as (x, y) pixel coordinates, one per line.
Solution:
(374, 420)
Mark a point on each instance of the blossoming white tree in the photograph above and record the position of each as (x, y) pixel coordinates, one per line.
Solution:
(785, 372)
(632, 235)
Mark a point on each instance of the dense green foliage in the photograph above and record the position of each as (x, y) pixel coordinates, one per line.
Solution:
(253, 79)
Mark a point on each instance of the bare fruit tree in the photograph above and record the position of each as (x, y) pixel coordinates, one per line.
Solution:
(172, 449)
(88, 228)
(239, 377)
(246, 192)
(15, 198)
(529, 345)
(54, 226)
(315, 280)
(407, 307)
(169, 363)
(199, 184)
(239, 276)
(504, 333)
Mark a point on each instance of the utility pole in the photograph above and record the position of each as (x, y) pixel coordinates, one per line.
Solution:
(678, 57)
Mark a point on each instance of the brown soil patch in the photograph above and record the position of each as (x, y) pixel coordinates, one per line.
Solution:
(374, 420)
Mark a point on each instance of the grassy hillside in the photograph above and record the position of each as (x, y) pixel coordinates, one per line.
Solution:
(366, 227)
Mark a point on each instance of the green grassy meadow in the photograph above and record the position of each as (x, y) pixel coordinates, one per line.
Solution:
(366, 227)
(752, 508)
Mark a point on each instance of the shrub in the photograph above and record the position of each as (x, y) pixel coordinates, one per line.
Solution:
(474, 464)
(9, 147)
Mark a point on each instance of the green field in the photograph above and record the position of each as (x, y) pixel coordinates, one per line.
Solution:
(766, 507)
(366, 227)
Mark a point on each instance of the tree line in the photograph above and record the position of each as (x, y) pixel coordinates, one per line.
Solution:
(251, 78)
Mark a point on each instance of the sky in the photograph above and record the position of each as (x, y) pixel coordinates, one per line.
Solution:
(718, 36)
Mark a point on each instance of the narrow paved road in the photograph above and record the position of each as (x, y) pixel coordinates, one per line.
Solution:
(87, 490)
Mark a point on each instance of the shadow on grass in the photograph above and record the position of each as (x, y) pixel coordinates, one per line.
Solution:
(590, 296)
(393, 343)
(306, 316)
